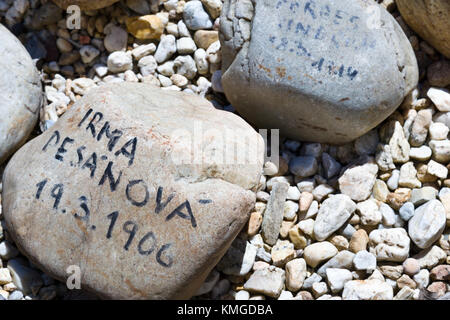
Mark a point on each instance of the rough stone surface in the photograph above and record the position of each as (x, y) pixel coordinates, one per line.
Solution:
(389, 244)
(268, 281)
(273, 216)
(430, 19)
(146, 222)
(367, 290)
(357, 182)
(20, 94)
(261, 47)
(332, 215)
(427, 224)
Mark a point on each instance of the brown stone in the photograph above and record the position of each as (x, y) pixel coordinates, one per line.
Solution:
(204, 38)
(113, 189)
(430, 19)
(254, 223)
(359, 241)
(398, 198)
(441, 273)
(406, 281)
(145, 27)
(438, 288)
(85, 4)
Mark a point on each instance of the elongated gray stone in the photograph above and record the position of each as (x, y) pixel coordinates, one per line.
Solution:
(20, 94)
(322, 70)
(125, 187)
(273, 216)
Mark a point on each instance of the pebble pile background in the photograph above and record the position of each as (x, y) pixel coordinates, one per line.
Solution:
(369, 219)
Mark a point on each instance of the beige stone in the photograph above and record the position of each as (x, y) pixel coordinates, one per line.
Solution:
(430, 19)
(143, 221)
(205, 38)
(359, 241)
(145, 27)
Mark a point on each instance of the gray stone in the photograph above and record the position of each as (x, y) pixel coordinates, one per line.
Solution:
(159, 220)
(268, 281)
(299, 59)
(365, 261)
(367, 290)
(407, 211)
(441, 150)
(195, 17)
(333, 213)
(337, 278)
(303, 166)
(427, 224)
(273, 215)
(330, 165)
(343, 260)
(308, 283)
(357, 181)
(20, 94)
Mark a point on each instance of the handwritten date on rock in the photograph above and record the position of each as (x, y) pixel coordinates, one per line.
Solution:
(101, 190)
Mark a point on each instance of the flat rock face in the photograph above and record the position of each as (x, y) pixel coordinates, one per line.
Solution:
(322, 71)
(430, 19)
(85, 4)
(112, 188)
(20, 94)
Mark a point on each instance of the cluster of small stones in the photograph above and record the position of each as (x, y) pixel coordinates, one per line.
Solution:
(366, 220)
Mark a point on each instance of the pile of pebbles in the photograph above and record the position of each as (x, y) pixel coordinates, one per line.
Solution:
(365, 220)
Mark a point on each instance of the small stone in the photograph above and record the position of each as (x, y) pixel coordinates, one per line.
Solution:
(119, 62)
(337, 278)
(313, 210)
(343, 260)
(116, 38)
(143, 50)
(5, 276)
(365, 261)
(388, 214)
(319, 289)
(268, 281)
(422, 153)
(380, 190)
(407, 211)
(308, 283)
(399, 146)
(440, 98)
(367, 290)
(411, 266)
(441, 150)
(383, 158)
(438, 131)
(282, 252)
(242, 295)
(393, 272)
(438, 73)
(422, 278)
(294, 194)
(419, 129)
(359, 241)
(369, 213)
(186, 45)
(88, 54)
(273, 215)
(399, 197)
(357, 182)
(427, 224)
(290, 210)
(145, 27)
(16, 295)
(438, 288)
(392, 182)
(389, 244)
(330, 165)
(440, 273)
(7, 250)
(297, 238)
(239, 258)
(214, 7)
(430, 257)
(195, 17)
(340, 242)
(322, 191)
(204, 38)
(185, 65)
(303, 166)
(406, 281)
(408, 176)
(254, 223)
(422, 195)
(147, 65)
(436, 169)
(166, 48)
(333, 213)
(295, 274)
(306, 199)
(319, 252)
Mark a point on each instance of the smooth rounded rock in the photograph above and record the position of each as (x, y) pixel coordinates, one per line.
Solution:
(85, 4)
(430, 19)
(113, 188)
(323, 71)
(427, 224)
(20, 94)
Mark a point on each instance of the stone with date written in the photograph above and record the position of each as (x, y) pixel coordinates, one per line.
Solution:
(322, 70)
(141, 189)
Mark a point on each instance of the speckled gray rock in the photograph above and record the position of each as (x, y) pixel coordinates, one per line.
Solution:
(116, 188)
(322, 71)
(20, 94)
(427, 224)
